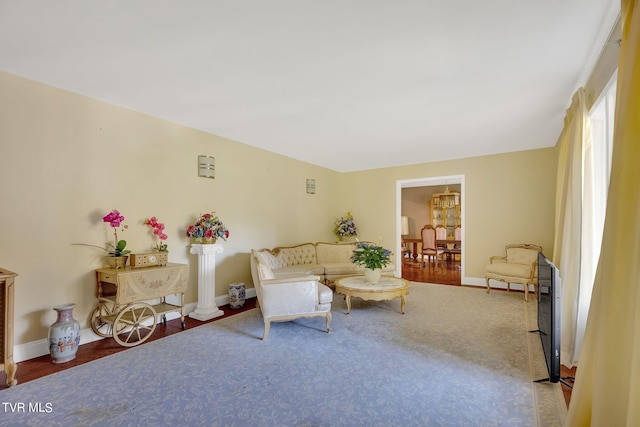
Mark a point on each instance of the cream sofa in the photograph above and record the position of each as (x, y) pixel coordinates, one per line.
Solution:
(329, 261)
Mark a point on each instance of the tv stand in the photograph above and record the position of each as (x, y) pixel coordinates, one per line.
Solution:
(561, 380)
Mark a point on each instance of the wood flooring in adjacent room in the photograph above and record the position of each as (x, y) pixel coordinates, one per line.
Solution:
(441, 272)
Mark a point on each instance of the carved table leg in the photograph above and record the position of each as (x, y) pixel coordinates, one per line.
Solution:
(403, 302)
(10, 369)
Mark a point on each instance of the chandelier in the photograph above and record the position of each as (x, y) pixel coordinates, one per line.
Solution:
(448, 199)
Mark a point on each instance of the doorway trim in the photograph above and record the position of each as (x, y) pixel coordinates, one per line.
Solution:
(428, 182)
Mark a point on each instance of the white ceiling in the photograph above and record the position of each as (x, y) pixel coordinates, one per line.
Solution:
(344, 84)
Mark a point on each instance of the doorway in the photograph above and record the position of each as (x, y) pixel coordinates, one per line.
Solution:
(413, 201)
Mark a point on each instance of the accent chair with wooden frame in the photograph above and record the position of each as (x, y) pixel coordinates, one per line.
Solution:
(428, 234)
(289, 298)
(518, 266)
(441, 234)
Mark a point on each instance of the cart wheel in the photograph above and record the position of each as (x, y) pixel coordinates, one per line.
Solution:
(99, 324)
(139, 320)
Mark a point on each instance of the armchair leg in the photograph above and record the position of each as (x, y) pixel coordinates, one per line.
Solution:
(488, 287)
(328, 321)
(267, 325)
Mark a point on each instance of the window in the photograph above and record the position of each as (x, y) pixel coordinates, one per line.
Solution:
(602, 120)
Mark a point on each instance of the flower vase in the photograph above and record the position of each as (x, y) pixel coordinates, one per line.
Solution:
(118, 261)
(203, 240)
(64, 335)
(236, 295)
(372, 275)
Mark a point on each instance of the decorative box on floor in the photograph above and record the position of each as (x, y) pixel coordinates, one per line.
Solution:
(236, 295)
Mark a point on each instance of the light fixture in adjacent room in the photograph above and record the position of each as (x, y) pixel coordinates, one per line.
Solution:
(448, 199)
(311, 186)
(207, 166)
(404, 225)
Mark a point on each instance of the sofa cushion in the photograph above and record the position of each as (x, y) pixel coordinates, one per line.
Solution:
(268, 258)
(510, 270)
(332, 253)
(521, 256)
(325, 295)
(299, 270)
(342, 269)
(296, 255)
(264, 270)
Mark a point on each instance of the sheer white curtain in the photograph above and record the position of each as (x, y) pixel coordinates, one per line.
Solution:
(595, 186)
(567, 249)
(607, 387)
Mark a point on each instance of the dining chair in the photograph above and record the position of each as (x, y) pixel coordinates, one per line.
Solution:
(441, 234)
(428, 234)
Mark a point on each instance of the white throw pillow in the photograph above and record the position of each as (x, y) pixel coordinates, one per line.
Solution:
(264, 270)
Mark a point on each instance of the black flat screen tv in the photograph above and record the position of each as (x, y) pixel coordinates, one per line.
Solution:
(549, 314)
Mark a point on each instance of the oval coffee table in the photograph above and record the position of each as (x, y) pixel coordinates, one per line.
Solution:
(386, 289)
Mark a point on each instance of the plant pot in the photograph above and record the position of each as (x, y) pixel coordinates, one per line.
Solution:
(372, 276)
(64, 335)
(203, 240)
(118, 261)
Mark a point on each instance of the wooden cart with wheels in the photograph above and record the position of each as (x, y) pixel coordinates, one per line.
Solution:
(130, 301)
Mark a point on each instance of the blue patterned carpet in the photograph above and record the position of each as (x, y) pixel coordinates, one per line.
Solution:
(458, 357)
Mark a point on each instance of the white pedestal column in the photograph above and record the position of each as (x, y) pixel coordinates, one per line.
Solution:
(206, 308)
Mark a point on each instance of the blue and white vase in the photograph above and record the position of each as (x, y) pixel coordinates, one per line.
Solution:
(236, 295)
(64, 335)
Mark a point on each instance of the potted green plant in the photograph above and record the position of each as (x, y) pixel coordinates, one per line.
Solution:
(373, 258)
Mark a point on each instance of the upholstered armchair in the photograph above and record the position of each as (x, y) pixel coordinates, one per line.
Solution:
(286, 299)
(518, 266)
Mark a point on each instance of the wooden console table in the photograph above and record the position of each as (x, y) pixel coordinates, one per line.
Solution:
(6, 325)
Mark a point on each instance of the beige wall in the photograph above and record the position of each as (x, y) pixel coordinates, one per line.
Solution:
(66, 160)
(509, 198)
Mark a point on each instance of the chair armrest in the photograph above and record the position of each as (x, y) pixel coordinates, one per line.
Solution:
(497, 259)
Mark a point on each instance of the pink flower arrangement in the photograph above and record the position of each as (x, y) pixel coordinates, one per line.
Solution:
(208, 226)
(158, 232)
(115, 220)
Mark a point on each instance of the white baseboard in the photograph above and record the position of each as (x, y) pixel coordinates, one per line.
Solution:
(38, 348)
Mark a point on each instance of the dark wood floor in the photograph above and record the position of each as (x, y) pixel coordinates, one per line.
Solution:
(441, 272)
(40, 366)
(446, 273)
